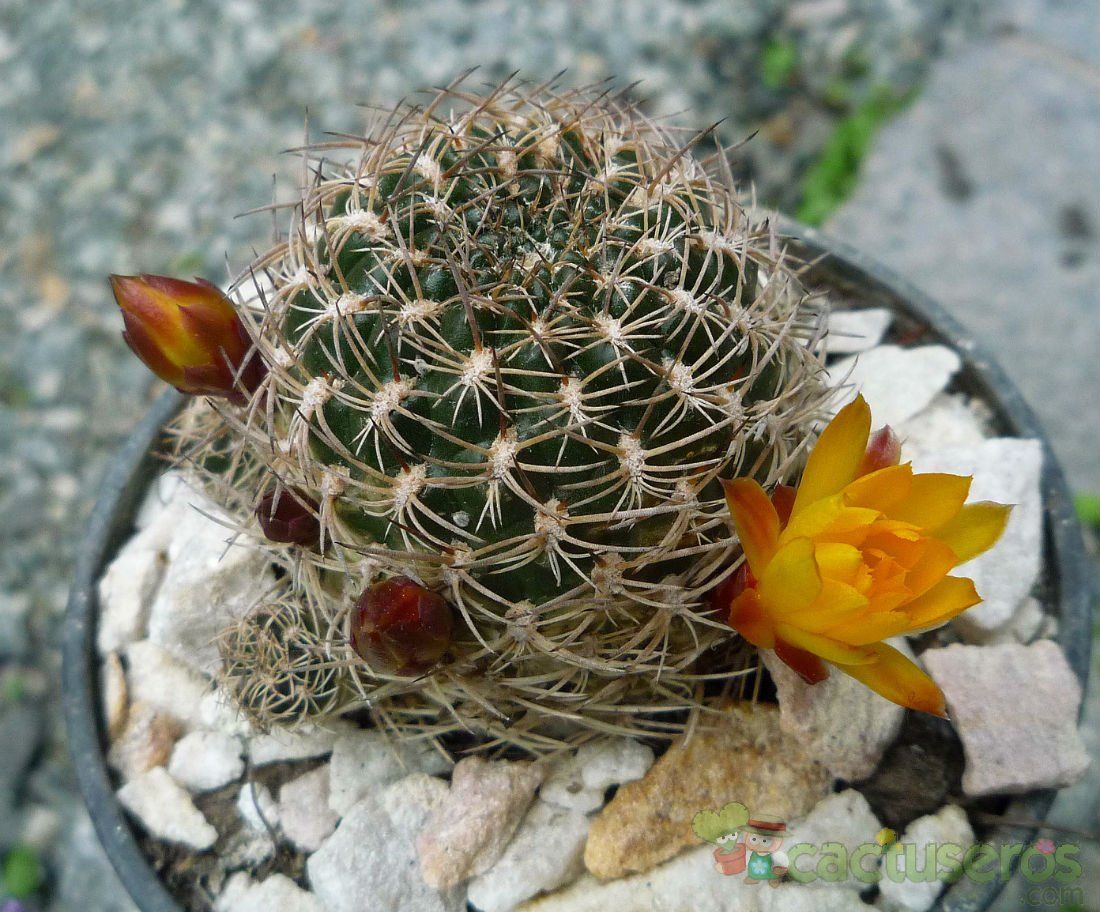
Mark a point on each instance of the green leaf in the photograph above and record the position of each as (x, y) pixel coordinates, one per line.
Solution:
(832, 178)
(778, 62)
(22, 872)
(1088, 509)
(14, 687)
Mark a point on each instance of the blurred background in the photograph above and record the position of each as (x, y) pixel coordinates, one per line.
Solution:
(954, 140)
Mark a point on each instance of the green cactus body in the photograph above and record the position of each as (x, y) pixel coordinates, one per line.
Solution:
(513, 347)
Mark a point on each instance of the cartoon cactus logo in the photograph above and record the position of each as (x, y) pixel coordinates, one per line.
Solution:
(512, 340)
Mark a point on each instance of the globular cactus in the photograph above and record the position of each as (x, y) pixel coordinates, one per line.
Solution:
(275, 665)
(513, 340)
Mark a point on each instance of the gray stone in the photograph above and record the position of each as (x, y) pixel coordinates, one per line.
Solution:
(1060, 31)
(203, 761)
(1075, 808)
(546, 852)
(896, 382)
(997, 158)
(87, 880)
(1015, 709)
(162, 806)
(844, 725)
(14, 641)
(213, 578)
(852, 331)
(470, 829)
(949, 826)
(20, 735)
(1005, 470)
(364, 761)
(41, 827)
(304, 814)
(371, 854)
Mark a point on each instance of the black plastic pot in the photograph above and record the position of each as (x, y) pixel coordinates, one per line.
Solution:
(1065, 581)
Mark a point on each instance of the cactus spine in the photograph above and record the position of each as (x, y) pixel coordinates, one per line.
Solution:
(513, 340)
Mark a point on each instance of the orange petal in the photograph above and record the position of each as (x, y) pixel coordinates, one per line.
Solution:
(804, 664)
(837, 603)
(837, 456)
(748, 618)
(754, 519)
(791, 581)
(936, 561)
(826, 647)
(975, 529)
(830, 519)
(838, 561)
(895, 677)
(880, 490)
(870, 628)
(934, 499)
(949, 597)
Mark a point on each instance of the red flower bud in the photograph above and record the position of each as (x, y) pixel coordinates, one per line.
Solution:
(188, 334)
(289, 516)
(402, 628)
(883, 451)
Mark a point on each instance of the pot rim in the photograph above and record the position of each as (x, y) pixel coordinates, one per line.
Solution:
(128, 476)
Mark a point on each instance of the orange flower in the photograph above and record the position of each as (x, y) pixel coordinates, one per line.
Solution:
(860, 553)
(189, 335)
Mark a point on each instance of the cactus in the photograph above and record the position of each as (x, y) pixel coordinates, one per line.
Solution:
(512, 341)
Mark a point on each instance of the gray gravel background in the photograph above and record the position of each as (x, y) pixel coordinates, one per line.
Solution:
(132, 133)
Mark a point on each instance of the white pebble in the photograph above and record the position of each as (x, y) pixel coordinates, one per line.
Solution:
(896, 382)
(277, 893)
(126, 591)
(166, 810)
(852, 331)
(363, 761)
(257, 807)
(205, 760)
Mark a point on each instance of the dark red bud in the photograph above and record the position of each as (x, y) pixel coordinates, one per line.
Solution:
(883, 451)
(732, 586)
(400, 627)
(289, 516)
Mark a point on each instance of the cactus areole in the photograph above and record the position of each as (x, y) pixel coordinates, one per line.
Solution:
(513, 340)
